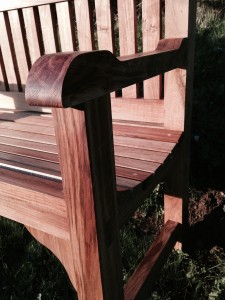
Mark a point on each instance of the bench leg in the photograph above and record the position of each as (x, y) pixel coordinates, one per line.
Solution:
(176, 194)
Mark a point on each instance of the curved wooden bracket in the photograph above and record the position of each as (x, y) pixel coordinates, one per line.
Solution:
(70, 79)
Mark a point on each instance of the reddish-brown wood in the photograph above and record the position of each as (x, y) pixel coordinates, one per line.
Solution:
(76, 178)
(140, 283)
(62, 72)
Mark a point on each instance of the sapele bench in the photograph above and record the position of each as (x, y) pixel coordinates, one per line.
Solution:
(75, 173)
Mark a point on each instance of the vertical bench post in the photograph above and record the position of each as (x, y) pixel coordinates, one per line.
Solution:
(86, 153)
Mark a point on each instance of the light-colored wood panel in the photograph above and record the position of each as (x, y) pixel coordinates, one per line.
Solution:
(104, 25)
(151, 33)
(16, 100)
(47, 28)
(66, 26)
(32, 34)
(41, 211)
(127, 19)
(15, 4)
(105, 31)
(7, 55)
(84, 25)
(176, 25)
(15, 24)
(176, 18)
(139, 110)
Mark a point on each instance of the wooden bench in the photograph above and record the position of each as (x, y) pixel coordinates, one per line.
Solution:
(96, 135)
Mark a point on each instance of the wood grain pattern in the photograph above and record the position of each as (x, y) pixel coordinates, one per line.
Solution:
(84, 217)
(15, 4)
(84, 20)
(65, 26)
(148, 133)
(139, 110)
(61, 248)
(151, 34)
(178, 96)
(35, 209)
(127, 20)
(105, 31)
(73, 83)
(176, 25)
(82, 187)
(140, 283)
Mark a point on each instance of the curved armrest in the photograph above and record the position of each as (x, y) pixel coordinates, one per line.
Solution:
(69, 79)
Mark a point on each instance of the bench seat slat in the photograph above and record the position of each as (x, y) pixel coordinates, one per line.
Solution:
(136, 164)
(27, 127)
(155, 134)
(144, 144)
(36, 164)
(131, 174)
(28, 144)
(28, 152)
(27, 118)
(142, 154)
(28, 136)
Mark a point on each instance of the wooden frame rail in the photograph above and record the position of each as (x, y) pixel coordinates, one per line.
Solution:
(67, 80)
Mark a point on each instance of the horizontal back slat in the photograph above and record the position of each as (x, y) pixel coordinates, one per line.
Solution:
(137, 110)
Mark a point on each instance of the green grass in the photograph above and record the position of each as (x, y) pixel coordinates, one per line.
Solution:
(28, 271)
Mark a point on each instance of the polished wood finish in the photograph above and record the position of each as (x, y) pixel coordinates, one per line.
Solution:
(62, 72)
(74, 177)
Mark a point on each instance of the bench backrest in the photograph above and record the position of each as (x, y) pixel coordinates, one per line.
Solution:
(32, 28)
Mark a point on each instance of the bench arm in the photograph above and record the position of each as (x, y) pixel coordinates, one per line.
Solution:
(72, 78)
